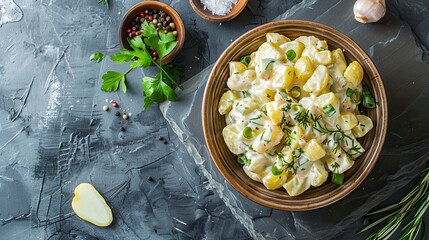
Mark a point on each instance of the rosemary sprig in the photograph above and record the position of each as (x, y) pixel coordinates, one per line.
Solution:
(415, 203)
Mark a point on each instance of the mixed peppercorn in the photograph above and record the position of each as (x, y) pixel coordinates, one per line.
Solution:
(117, 113)
(162, 21)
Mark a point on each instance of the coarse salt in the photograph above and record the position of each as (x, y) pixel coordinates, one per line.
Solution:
(219, 7)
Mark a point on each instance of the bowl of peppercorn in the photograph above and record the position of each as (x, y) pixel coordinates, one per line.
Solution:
(162, 16)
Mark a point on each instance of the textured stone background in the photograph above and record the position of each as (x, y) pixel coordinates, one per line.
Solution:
(54, 135)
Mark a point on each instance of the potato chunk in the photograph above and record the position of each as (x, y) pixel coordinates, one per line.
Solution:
(354, 73)
(363, 127)
(226, 101)
(303, 68)
(318, 81)
(313, 150)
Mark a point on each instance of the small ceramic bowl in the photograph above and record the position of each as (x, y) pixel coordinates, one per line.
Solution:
(213, 122)
(209, 16)
(135, 10)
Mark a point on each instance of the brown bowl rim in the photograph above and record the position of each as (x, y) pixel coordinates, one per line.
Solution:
(335, 193)
(180, 27)
(209, 16)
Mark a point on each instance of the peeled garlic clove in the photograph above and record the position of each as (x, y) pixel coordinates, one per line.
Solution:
(89, 205)
(368, 11)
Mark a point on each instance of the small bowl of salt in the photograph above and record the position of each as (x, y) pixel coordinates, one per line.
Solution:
(218, 10)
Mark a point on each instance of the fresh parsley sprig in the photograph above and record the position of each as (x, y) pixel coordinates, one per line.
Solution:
(158, 88)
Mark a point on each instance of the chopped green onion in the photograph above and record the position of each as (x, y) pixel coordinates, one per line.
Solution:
(338, 178)
(271, 61)
(350, 92)
(295, 92)
(368, 100)
(246, 94)
(247, 132)
(329, 110)
(353, 95)
(242, 159)
(275, 171)
(245, 60)
(291, 54)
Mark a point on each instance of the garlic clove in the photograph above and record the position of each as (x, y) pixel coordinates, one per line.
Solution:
(89, 205)
(369, 11)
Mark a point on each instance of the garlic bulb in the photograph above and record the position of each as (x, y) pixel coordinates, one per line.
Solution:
(368, 11)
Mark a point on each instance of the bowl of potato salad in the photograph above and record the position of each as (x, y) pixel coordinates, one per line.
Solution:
(294, 115)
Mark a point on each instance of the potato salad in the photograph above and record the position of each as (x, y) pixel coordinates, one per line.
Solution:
(292, 114)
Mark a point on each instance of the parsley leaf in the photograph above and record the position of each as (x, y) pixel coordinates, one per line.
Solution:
(97, 57)
(156, 90)
(161, 42)
(166, 38)
(125, 55)
(137, 42)
(111, 81)
(143, 59)
(148, 29)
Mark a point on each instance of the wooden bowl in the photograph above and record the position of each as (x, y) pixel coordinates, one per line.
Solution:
(209, 16)
(135, 10)
(213, 122)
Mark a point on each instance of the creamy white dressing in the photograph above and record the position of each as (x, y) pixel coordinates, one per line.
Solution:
(294, 139)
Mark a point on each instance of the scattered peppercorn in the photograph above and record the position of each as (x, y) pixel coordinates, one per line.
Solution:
(122, 129)
(106, 108)
(115, 104)
(161, 138)
(125, 116)
(165, 142)
(117, 113)
(150, 178)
